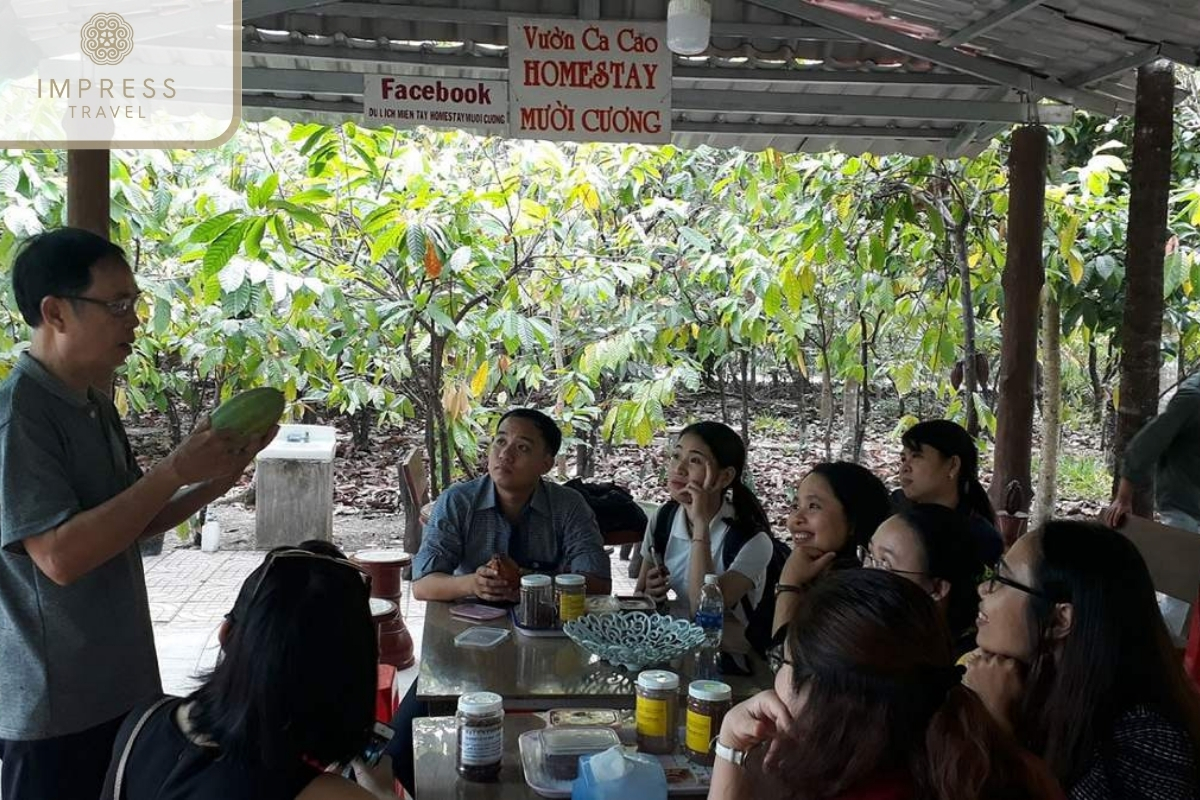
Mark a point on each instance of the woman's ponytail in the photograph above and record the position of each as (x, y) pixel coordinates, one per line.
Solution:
(748, 512)
(975, 497)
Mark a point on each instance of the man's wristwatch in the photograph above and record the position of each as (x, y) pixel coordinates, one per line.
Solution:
(735, 757)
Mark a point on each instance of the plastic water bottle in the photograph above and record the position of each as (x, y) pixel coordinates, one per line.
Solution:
(710, 615)
(710, 612)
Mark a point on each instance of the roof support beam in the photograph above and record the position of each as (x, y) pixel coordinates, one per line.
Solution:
(1132, 61)
(733, 102)
(497, 68)
(253, 9)
(499, 19)
(351, 108)
(998, 17)
(992, 70)
(836, 105)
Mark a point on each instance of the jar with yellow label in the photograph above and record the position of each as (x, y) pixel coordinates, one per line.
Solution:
(571, 593)
(708, 703)
(657, 711)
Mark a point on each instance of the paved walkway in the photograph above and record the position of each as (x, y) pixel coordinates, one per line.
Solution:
(191, 591)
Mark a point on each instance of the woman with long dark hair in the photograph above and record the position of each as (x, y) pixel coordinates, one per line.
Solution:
(929, 545)
(1076, 660)
(868, 705)
(713, 525)
(939, 464)
(292, 694)
(839, 505)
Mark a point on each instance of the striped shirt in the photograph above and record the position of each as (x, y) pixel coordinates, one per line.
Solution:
(557, 532)
(1147, 757)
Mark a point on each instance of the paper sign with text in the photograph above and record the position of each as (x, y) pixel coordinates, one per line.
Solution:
(589, 81)
(406, 101)
(120, 73)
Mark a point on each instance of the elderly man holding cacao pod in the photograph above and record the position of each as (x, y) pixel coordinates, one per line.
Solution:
(485, 533)
(76, 642)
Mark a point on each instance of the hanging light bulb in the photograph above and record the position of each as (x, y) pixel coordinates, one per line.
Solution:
(689, 26)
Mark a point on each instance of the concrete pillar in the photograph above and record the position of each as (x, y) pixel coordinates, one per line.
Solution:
(88, 204)
(1024, 274)
(1145, 243)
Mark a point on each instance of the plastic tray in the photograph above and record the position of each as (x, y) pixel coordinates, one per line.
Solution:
(683, 777)
(481, 637)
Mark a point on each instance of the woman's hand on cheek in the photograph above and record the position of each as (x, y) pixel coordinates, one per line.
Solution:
(754, 721)
(804, 565)
(999, 681)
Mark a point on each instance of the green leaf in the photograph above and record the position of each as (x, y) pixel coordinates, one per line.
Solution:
(416, 243)
(254, 235)
(212, 228)
(387, 243)
(695, 238)
(223, 248)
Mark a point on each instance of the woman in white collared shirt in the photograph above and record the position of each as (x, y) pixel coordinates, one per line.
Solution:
(717, 526)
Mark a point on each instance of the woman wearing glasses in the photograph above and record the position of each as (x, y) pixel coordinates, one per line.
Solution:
(868, 706)
(931, 546)
(1075, 659)
(292, 694)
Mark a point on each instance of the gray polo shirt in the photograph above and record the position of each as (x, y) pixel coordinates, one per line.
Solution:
(71, 657)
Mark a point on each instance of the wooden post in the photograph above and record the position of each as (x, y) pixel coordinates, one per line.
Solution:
(1023, 277)
(1145, 243)
(88, 191)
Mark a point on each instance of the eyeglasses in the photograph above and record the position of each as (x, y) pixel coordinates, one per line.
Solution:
(871, 562)
(117, 308)
(992, 576)
(776, 660)
(296, 552)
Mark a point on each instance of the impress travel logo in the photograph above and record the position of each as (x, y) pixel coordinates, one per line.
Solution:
(119, 73)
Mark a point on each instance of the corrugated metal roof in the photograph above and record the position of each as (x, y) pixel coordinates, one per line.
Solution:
(307, 63)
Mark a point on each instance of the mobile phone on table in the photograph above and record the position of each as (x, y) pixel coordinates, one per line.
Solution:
(476, 612)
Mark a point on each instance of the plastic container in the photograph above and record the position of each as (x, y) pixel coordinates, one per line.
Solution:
(657, 711)
(562, 747)
(481, 637)
(708, 703)
(570, 597)
(479, 724)
(616, 775)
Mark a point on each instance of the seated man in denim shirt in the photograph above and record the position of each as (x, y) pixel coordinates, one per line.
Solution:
(511, 511)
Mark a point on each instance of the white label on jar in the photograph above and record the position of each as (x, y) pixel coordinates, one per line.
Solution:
(481, 746)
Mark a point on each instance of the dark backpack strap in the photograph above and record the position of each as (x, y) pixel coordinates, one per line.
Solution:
(662, 528)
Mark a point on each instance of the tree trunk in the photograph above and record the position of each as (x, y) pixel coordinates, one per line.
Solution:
(966, 301)
(827, 406)
(1022, 281)
(1146, 240)
(850, 415)
(721, 388)
(1097, 387)
(746, 398)
(1046, 495)
(799, 386)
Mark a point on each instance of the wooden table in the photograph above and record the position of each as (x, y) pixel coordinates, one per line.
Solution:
(434, 745)
(534, 673)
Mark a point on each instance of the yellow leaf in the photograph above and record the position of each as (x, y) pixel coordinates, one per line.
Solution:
(801, 364)
(121, 401)
(1066, 237)
(695, 331)
(1076, 268)
(973, 259)
(479, 382)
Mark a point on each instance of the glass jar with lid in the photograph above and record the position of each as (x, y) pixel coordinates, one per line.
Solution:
(536, 609)
(657, 711)
(480, 727)
(570, 597)
(708, 703)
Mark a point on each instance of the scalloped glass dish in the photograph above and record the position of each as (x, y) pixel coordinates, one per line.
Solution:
(634, 640)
